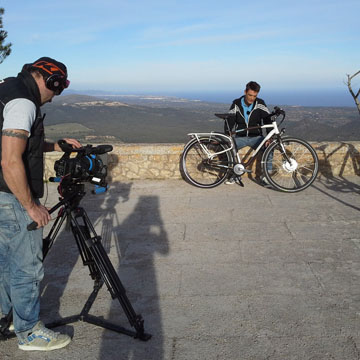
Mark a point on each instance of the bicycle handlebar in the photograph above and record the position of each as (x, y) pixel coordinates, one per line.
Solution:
(276, 113)
(273, 115)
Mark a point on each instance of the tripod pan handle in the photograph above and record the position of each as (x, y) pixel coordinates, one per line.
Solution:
(32, 226)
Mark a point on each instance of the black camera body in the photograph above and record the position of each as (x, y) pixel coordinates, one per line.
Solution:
(89, 164)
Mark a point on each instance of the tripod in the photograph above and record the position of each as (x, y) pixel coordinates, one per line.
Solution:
(95, 257)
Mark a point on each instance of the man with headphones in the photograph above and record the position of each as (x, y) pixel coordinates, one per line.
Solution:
(22, 145)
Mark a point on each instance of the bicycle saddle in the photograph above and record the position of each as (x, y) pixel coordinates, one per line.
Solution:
(226, 116)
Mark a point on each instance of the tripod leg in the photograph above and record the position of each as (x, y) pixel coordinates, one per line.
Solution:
(81, 232)
(50, 238)
(100, 266)
(5, 322)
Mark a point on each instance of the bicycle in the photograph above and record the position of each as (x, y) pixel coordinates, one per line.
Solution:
(289, 164)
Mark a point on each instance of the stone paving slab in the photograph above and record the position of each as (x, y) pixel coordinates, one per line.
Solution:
(228, 273)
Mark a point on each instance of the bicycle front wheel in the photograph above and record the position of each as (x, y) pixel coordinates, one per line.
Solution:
(290, 165)
(204, 162)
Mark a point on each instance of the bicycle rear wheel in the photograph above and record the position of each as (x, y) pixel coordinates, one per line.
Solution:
(199, 169)
(291, 165)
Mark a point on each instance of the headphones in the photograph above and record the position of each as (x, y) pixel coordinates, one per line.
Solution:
(56, 83)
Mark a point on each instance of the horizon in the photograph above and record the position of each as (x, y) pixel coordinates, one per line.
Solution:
(306, 98)
(188, 47)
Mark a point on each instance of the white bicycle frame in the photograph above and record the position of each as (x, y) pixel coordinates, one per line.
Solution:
(198, 136)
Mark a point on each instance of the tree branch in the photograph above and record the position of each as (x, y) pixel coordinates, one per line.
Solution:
(357, 102)
(351, 77)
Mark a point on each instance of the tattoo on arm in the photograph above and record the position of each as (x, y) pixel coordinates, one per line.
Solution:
(16, 134)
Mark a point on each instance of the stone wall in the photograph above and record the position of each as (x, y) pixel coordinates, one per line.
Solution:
(161, 161)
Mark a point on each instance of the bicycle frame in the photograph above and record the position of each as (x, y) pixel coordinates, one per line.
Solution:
(230, 140)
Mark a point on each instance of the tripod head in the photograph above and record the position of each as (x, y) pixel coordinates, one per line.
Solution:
(70, 190)
(71, 193)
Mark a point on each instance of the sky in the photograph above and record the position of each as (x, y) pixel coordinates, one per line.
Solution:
(137, 46)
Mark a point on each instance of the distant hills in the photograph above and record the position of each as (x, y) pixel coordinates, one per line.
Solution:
(157, 119)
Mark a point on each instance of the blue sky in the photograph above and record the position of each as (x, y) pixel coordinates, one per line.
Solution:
(162, 46)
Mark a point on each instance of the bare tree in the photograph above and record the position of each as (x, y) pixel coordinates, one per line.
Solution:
(355, 96)
(5, 49)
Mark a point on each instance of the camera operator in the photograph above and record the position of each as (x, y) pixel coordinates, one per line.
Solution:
(21, 185)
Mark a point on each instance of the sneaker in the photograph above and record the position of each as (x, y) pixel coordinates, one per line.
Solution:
(230, 181)
(265, 182)
(44, 339)
(11, 327)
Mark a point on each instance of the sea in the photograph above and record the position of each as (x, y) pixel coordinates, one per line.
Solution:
(326, 98)
(340, 97)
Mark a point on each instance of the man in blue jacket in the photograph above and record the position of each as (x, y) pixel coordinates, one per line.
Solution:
(250, 111)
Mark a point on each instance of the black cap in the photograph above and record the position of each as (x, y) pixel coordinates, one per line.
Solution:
(47, 67)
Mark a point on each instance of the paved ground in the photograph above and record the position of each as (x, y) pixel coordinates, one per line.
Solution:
(228, 273)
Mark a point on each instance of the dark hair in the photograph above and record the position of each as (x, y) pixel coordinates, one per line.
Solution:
(32, 70)
(252, 85)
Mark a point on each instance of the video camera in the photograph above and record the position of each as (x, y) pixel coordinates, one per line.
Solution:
(89, 165)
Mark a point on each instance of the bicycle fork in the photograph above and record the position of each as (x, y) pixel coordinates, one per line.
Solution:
(283, 150)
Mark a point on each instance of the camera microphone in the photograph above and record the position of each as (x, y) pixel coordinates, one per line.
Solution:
(248, 112)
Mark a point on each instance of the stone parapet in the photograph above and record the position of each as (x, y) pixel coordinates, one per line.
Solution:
(161, 161)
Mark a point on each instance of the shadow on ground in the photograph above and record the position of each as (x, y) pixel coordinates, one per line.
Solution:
(136, 238)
